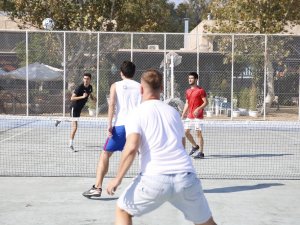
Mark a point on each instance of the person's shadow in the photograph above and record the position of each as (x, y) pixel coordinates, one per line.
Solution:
(104, 199)
(241, 188)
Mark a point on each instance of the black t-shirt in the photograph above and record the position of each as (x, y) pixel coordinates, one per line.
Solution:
(79, 104)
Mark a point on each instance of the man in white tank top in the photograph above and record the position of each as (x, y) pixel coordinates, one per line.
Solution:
(155, 130)
(124, 97)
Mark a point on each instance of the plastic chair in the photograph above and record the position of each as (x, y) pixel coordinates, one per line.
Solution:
(224, 107)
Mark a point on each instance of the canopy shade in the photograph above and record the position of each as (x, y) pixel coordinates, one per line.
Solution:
(36, 72)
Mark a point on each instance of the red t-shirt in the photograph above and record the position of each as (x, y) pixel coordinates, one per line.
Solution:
(194, 97)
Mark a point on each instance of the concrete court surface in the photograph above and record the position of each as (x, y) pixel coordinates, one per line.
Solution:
(58, 201)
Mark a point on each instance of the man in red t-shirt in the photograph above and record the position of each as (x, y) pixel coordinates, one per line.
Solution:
(194, 108)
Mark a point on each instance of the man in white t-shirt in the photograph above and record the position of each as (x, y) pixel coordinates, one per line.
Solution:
(124, 96)
(154, 129)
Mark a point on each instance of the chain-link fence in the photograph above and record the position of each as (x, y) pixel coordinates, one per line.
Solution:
(245, 76)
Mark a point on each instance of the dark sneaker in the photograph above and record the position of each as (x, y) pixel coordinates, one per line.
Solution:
(93, 192)
(72, 149)
(194, 149)
(200, 155)
(57, 122)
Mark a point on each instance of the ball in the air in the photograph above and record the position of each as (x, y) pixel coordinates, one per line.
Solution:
(48, 24)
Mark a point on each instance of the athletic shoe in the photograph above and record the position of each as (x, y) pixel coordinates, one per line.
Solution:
(72, 148)
(57, 122)
(93, 192)
(194, 149)
(200, 155)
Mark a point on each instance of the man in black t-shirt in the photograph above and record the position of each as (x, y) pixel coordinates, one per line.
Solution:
(78, 99)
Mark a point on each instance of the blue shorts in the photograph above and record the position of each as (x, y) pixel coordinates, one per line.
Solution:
(117, 141)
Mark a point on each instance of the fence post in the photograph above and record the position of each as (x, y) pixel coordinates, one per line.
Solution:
(232, 73)
(27, 78)
(299, 96)
(131, 46)
(98, 69)
(64, 84)
(165, 75)
(265, 76)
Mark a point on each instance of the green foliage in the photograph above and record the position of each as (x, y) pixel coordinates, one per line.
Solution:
(263, 17)
(195, 10)
(253, 98)
(243, 100)
(6, 5)
(244, 16)
(38, 42)
(105, 15)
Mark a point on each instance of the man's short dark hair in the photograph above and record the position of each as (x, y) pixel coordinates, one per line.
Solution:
(87, 75)
(194, 74)
(128, 69)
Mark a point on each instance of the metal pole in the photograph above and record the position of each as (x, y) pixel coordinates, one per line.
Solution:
(232, 74)
(165, 71)
(27, 78)
(197, 44)
(186, 31)
(172, 76)
(131, 53)
(265, 77)
(299, 96)
(64, 84)
(98, 68)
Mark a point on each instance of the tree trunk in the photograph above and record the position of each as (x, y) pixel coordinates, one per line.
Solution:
(270, 87)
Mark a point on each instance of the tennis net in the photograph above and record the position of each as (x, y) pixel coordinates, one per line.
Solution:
(34, 146)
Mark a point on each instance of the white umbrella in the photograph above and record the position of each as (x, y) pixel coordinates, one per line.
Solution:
(36, 72)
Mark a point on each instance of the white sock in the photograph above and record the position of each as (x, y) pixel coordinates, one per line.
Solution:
(71, 142)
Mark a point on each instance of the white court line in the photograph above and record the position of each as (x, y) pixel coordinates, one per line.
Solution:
(11, 137)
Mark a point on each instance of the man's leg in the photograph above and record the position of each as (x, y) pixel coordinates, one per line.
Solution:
(102, 168)
(201, 140)
(209, 222)
(189, 136)
(200, 155)
(72, 135)
(122, 217)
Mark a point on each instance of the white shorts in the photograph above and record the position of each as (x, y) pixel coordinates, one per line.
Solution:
(193, 124)
(183, 191)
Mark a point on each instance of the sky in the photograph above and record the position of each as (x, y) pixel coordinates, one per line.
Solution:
(177, 1)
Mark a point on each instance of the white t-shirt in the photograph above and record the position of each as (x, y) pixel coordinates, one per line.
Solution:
(128, 97)
(161, 130)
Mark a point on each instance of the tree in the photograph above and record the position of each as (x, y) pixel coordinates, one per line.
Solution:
(263, 17)
(105, 15)
(195, 10)
(68, 15)
(6, 5)
(246, 16)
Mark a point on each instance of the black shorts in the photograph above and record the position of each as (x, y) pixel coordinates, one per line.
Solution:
(75, 112)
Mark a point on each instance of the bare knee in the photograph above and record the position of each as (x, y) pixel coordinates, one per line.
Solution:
(122, 217)
(208, 222)
(104, 160)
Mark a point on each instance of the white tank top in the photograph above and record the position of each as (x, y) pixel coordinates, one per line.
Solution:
(128, 97)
